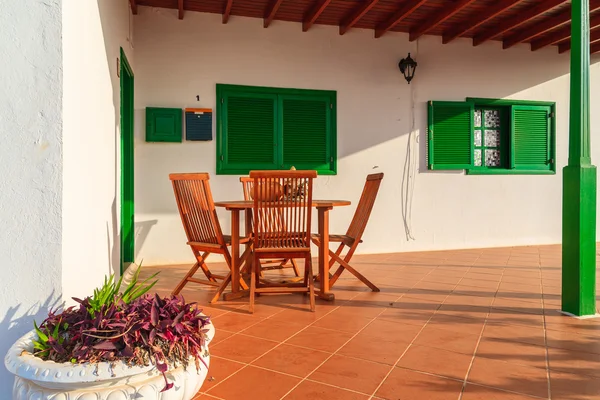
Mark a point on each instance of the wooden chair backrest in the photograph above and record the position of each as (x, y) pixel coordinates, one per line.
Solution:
(282, 215)
(365, 205)
(247, 186)
(197, 208)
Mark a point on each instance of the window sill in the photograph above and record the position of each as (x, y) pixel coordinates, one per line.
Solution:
(509, 172)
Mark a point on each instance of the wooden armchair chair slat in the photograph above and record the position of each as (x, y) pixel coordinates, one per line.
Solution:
(353, 236)
(281, 227)
(247, 184)
(201, 225)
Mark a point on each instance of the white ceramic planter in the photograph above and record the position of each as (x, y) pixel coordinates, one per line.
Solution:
(36, 379)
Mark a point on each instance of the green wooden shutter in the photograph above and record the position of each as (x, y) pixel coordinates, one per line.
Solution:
(450, 135)
(531, 144)
(307, 126)
(247, 124)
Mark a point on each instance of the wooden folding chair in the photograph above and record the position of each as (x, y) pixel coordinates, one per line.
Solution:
(281, 219)
(247, 184)
(353, 236)
(202, 228)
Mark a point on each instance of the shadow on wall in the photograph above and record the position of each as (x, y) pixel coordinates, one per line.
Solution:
(142, 230)
(17, 322)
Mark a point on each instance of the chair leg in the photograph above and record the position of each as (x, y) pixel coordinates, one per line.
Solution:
(184, 281)
(201, 260)
(221, 289)
(311, 284)
(344, 265)
(295, 266)
(255, 267)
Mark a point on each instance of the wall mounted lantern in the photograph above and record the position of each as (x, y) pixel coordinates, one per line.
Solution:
(407, 67)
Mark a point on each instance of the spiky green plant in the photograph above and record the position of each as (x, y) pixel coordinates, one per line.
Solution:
(108, 294)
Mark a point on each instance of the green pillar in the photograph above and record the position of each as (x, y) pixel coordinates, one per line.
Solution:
(579, 179)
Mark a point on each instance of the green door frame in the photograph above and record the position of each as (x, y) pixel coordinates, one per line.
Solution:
(126, 188)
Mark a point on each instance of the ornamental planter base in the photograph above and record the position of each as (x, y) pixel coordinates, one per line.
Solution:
(36, 379)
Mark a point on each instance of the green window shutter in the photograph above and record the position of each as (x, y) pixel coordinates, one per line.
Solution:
(247, 123)
(307, 126)
(450, 135)
(163, 124)
(531, 142)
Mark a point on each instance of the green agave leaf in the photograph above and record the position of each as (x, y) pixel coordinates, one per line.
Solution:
(39, 332)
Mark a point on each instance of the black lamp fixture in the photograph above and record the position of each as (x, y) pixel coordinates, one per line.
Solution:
(407, 67)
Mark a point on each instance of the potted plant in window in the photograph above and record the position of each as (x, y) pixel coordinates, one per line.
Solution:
(119, 343)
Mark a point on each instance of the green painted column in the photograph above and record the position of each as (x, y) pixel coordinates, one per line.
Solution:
(579, 179)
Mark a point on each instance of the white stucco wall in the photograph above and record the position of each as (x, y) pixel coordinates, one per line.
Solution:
(31, 167)
(379, 116)
(93, 33)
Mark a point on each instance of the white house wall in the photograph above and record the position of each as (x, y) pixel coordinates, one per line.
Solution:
(30, 168)
(93, 33)
(380, 117)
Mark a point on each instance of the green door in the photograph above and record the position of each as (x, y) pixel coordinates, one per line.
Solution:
(126, 187)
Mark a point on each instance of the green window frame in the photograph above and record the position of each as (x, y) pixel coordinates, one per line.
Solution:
(492, 136)
(264, 128)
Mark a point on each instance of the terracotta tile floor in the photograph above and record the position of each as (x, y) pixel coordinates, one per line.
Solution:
(466, 324)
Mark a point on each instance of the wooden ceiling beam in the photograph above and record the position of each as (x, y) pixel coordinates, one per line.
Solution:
(180, 7)
(403, 12)
(538, 29)
(560, 34)
(271, 11)
(437, 19)
(314, 13)
(478, 19)
(565, 46)
(355, 15)
(554, 37)
(133, 5)
(227, 11)
(595, 47)
(517, 20)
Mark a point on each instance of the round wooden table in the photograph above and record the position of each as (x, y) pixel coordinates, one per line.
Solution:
(323, 207)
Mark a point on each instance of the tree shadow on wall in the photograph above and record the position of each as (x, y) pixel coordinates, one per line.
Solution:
(16, 323)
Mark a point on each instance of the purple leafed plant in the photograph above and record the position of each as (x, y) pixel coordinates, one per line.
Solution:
(166, 332)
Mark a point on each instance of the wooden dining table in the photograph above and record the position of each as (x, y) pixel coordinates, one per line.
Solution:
(323, 207)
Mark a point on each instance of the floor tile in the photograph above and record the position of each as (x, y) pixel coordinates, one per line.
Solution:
(566, 386)
(406, 384)
(318, 391)
(436, 361)
(570, 341)
(453, 323)
(320, 339)
(271, 385)
(478, 392)
(515, 318)
(358, 375)
(375, 349)
(273, 330)
(342, 322)
(444, 339)
(509, 376)
(234, 322)
(515, 291)
(219, 370)
(220, 335)
(575, 362)
(292, 360)
(513, 352)
(391, 331)
(517, 333)
(242, 348)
